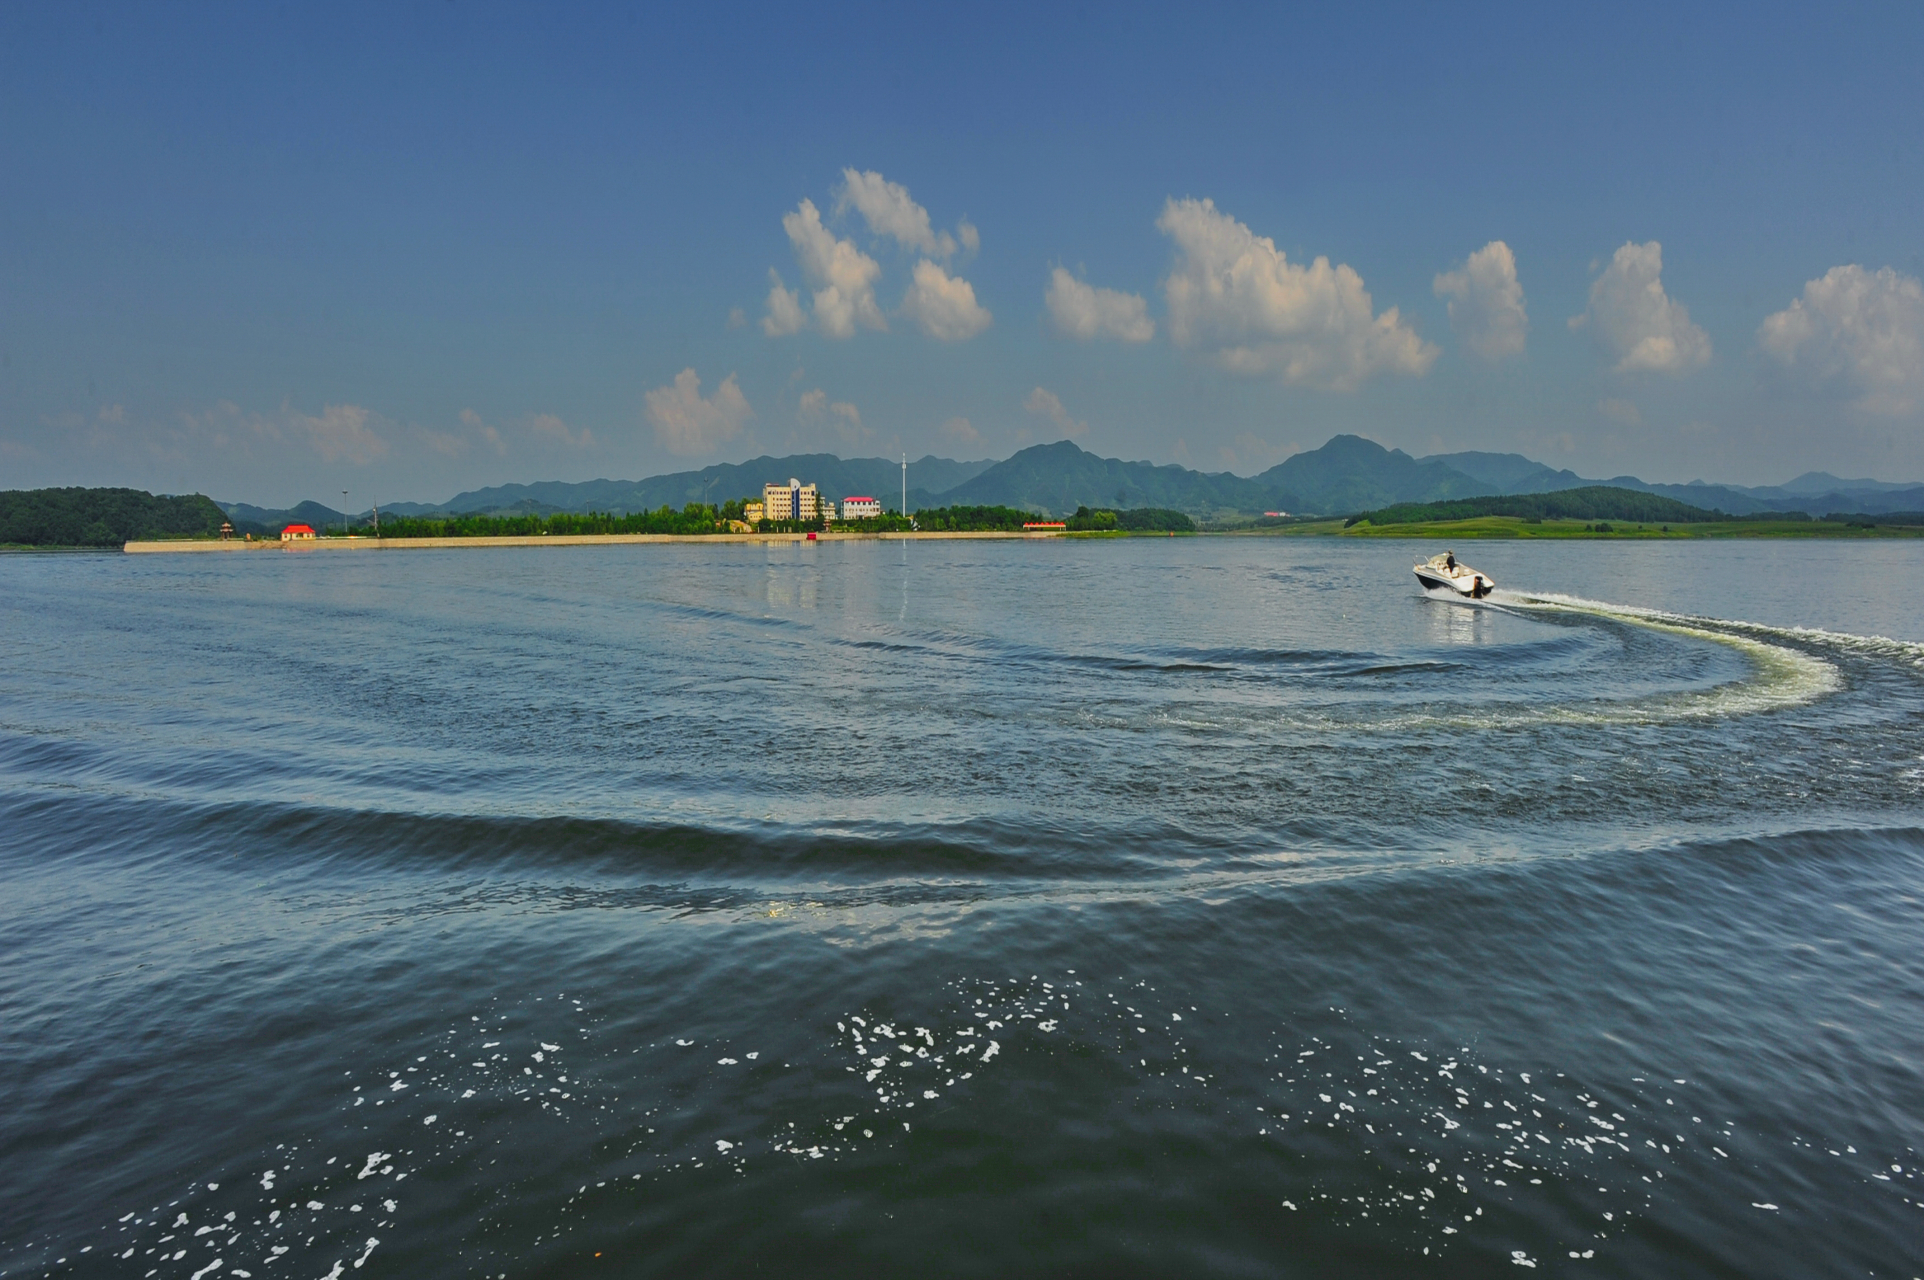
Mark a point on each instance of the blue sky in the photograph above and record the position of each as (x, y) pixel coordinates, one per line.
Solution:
(274, 252)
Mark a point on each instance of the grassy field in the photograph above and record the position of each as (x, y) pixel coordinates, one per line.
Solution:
(1512, 527)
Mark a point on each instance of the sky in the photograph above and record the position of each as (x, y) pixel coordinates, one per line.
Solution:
(271, 252)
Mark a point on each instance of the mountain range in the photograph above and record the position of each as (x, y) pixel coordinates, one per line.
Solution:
(1347, 474)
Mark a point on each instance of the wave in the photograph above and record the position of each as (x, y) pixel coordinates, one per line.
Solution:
(569, 862)
(1782, 675)
(1908, 652)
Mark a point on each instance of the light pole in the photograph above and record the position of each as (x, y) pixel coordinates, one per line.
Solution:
(346, 520)
(905, 486)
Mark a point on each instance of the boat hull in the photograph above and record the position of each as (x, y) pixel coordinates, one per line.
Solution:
(1471, 586)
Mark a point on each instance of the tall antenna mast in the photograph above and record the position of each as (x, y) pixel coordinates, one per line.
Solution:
(905, 486)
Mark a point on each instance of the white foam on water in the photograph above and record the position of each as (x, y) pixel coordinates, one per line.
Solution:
(1441, 1132)
(1782, 674)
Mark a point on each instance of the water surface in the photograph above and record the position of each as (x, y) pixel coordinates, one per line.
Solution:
(1214, 906)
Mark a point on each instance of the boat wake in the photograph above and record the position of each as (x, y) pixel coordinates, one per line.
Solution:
(1788, 667)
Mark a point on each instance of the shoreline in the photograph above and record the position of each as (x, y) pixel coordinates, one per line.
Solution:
(559, 540)
(1480, 528)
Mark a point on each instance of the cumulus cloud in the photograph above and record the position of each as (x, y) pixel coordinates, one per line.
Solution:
(1486, 302)
(1636, 321)
(785, 314)
(686, 423)
(847, 419)
(843, 278)
(340, 433)
(944, 305)
(547, 426)
(889, 211)
(1859, 330)
(1233, 294)
(472, 420)
(1084, 311)
(1046, 404)
(1621, 411)
(959, 431)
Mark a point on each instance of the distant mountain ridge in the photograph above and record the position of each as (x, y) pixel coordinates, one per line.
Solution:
(1347, 475)
(837, 477)
(263, 520)
(1816, 492)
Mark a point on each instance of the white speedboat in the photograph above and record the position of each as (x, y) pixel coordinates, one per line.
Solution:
(1443, 573)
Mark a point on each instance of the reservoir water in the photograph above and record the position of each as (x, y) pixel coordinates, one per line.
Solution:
(1197, 906)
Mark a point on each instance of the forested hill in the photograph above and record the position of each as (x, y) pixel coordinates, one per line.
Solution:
(838, 478)
(1345, 475)
(1348, 473)
(102, 517)
(1596, 502)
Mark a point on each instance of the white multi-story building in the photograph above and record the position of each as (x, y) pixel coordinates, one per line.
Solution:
(792, 501)
(860, 508)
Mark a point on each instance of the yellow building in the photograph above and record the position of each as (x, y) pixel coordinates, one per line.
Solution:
(752, 512)
(792, 501)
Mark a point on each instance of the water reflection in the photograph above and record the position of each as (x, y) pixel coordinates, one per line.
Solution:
(790, 584)
(1454, 622)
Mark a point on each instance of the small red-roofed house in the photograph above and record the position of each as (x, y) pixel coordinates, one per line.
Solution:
(298, 533)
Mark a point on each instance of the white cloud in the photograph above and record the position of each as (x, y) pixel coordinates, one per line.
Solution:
(1486, 302)
(1234, 295)
(1046, 404)
(471, 419)
(1621, 411)
(1859, 330)
(846, 418)
(785, 315)
(548, 426)
(970, 237)
(844, 279)
(339, 434)
(888, 210)
(944, 305)
(959, 431)
(687, 424)
(1084, 311)
(1637, 322)
(446, 443)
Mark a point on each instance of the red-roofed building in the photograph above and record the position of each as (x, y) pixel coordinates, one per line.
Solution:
(297, 533)
(860, 508)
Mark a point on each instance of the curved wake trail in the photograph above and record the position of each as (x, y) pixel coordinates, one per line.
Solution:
(1905, 651)
(1781, 675)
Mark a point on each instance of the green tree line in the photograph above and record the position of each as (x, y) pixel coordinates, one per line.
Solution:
(1130, 520)
(1593, 502)
(102, 517)
(696, 517)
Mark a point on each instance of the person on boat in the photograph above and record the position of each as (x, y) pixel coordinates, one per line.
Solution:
(1449, 561)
